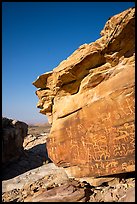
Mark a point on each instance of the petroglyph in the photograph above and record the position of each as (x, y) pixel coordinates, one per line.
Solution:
(81, 129)
(99, 149)
(128, 106)
(106, 117)
(94, 140)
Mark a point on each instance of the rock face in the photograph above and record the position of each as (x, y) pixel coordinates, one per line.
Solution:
(28, 180)
(89, 100)
(13, 133)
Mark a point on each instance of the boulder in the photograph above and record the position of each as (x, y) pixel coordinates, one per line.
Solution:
(70, 191)
(129, 196)
(89, 99)
(13, 133)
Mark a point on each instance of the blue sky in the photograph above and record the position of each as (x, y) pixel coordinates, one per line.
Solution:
(36, 37)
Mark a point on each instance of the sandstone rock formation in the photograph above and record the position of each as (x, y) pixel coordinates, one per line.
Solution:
(89, 100)
(27, 180)
(13, 133)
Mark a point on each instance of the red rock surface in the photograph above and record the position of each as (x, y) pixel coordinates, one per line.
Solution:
(89, 100)
(29, 180)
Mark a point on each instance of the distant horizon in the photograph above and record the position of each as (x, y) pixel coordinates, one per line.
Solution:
(38, 122)
(36, 37)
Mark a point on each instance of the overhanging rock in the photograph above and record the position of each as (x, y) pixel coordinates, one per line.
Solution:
(89, 100)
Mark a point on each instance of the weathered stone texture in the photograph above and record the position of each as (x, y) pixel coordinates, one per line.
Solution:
(13, 133)
(89, 100)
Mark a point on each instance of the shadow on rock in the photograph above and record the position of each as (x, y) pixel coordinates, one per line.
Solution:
(30, 159)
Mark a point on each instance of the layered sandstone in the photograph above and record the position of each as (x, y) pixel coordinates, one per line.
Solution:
(89, 100)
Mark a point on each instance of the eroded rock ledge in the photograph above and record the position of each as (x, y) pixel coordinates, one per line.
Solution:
(89, 100)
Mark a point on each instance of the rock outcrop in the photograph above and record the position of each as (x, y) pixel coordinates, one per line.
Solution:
(89, 100)
(13, 133)
(27, 180)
